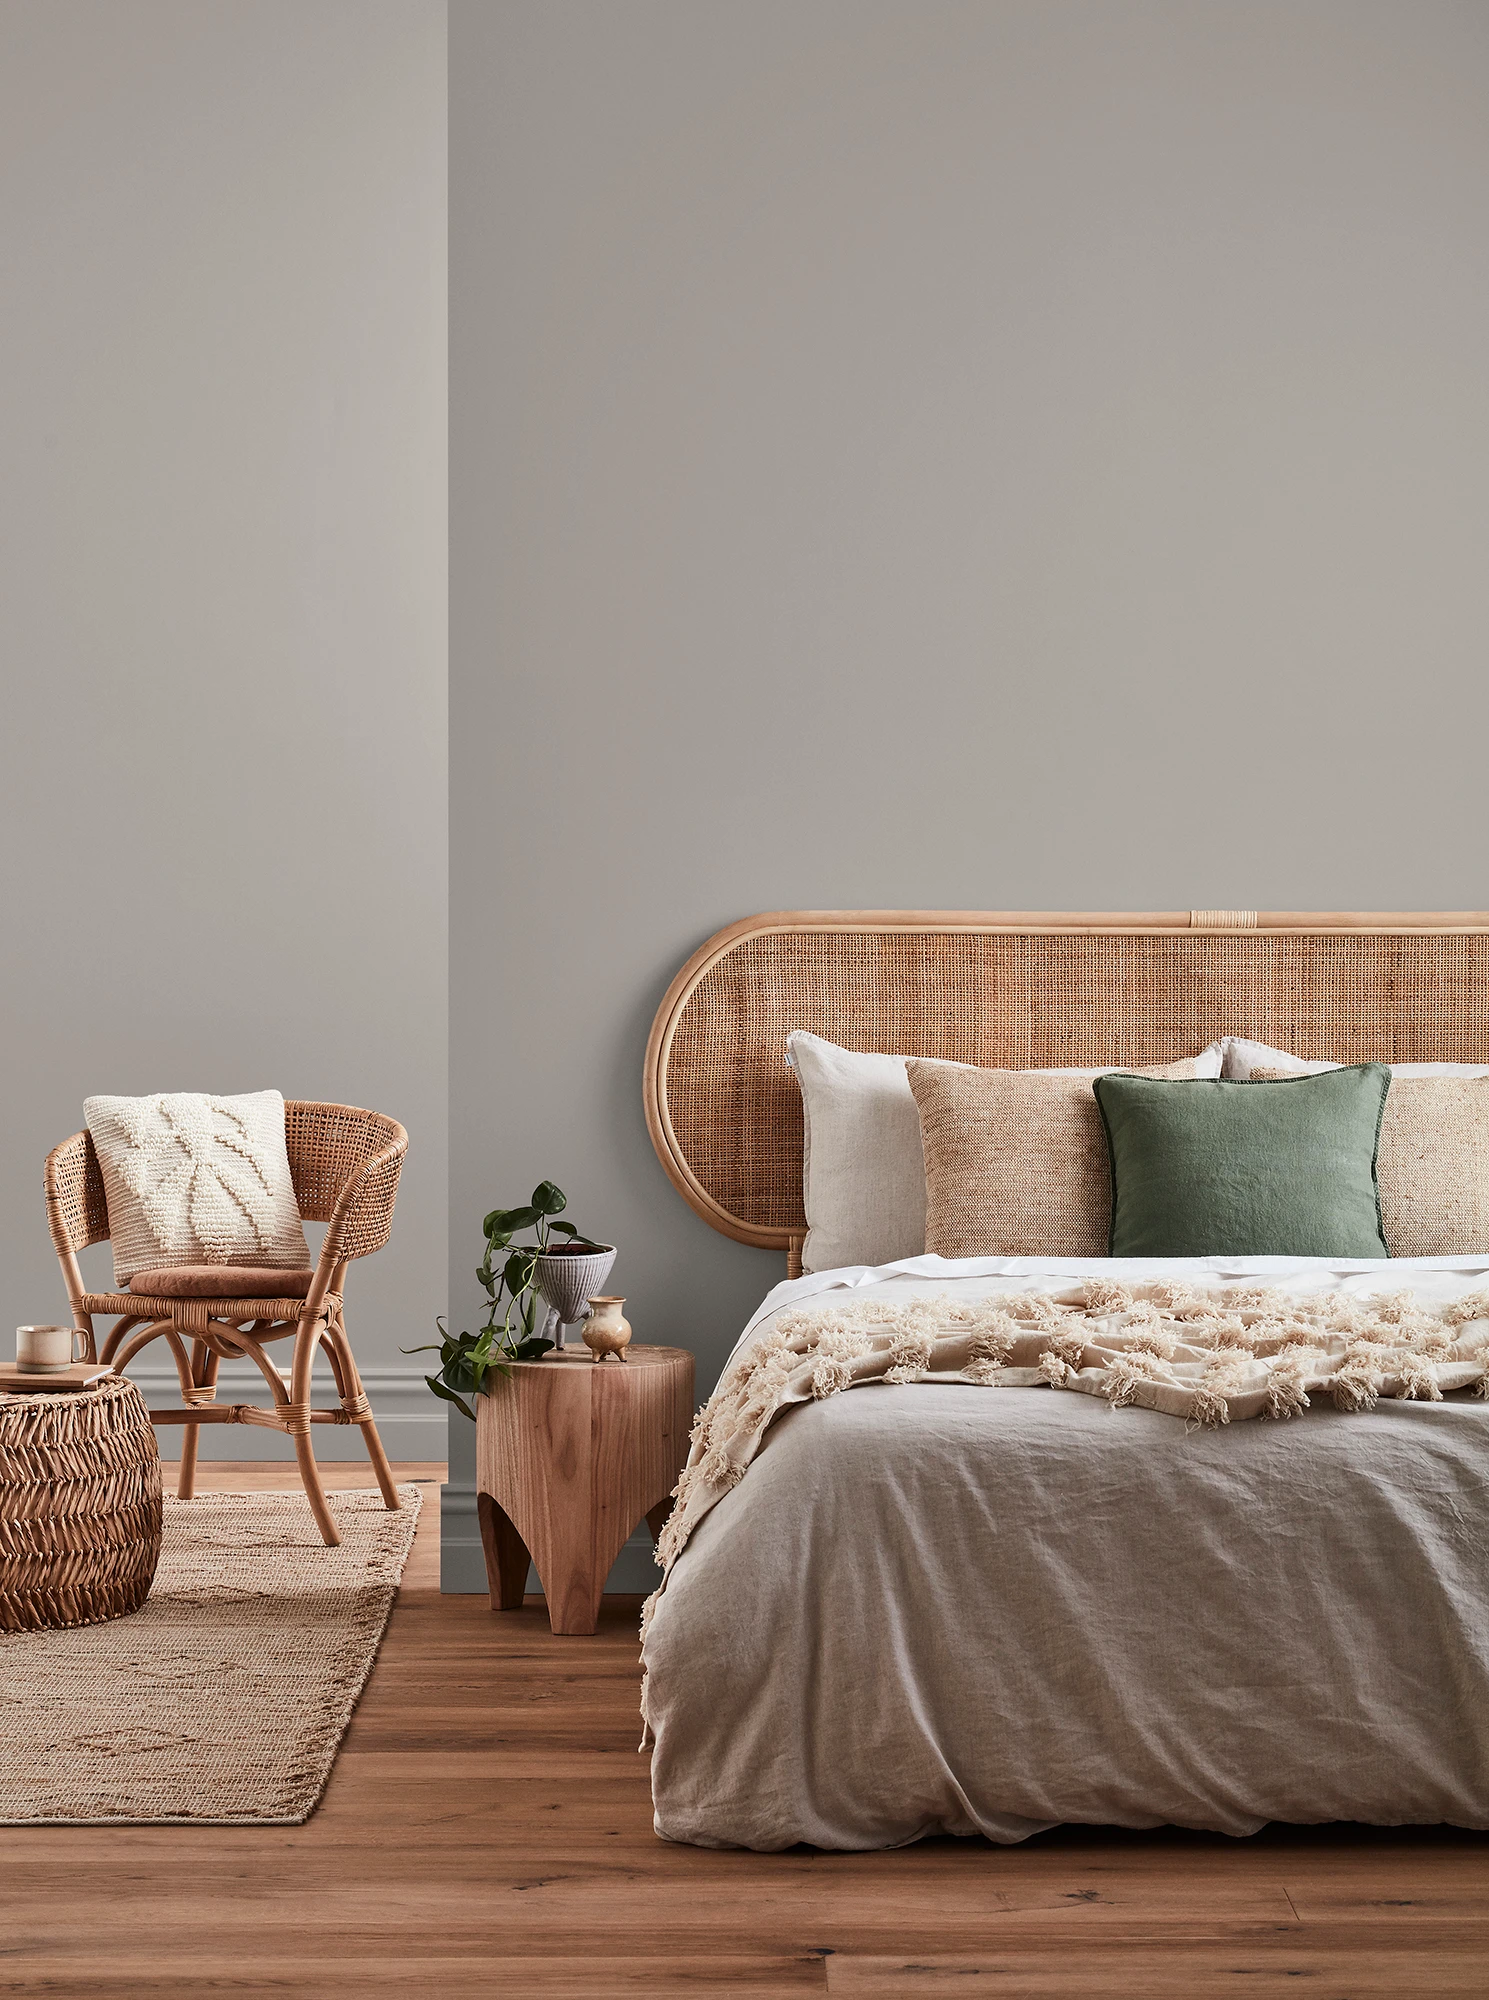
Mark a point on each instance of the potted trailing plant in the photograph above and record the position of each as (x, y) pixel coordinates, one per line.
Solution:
(525, 1272)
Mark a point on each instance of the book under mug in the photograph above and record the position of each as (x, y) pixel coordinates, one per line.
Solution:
(15, 1380)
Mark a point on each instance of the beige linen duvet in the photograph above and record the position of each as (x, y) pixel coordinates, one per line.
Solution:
(943, 1606)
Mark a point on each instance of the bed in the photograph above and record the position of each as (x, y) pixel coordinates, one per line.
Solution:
(925, 1608)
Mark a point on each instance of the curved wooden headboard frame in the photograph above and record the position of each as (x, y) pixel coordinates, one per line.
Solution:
(1373, 1000)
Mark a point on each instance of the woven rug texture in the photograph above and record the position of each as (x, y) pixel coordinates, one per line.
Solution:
(224, 1699)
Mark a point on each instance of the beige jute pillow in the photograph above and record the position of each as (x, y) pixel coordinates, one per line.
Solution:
(1015, 1160)
(1432, 1164)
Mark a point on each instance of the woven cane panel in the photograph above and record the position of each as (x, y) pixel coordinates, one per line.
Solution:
(77, 1209)
(329, 1145)
(1033, 1000)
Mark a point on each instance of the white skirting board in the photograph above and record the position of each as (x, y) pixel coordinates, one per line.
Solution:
(410, 1421)
(462, 1567)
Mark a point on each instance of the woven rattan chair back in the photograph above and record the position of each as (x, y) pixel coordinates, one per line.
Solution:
(345, 1163)
(329, 1146)
(77, 1210)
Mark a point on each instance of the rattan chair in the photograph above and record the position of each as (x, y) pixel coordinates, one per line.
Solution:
(345, 1165)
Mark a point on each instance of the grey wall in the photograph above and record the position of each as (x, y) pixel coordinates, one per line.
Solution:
(222, 594)
(1007, 455)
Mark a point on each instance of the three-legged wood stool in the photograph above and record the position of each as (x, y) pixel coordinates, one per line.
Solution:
(571, 1453)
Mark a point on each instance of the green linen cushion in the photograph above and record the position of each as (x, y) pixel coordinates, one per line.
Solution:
(1233, 1169)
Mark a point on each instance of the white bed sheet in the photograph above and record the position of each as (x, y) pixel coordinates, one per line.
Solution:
(936, 1608)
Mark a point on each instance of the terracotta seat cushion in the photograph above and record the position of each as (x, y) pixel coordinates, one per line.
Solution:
(220, 1281)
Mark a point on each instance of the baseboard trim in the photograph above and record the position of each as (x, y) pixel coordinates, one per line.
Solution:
(410, 1421)
(462, 1566)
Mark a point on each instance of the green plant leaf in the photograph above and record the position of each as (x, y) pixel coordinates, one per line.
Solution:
(447, 1344)
(562, 1229)
(449, 1396)
(517, 1272)
(548, 1199)
(505, 1222)
(529, 1350)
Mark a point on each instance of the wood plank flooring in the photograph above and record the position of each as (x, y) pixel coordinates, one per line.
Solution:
(488, 1831)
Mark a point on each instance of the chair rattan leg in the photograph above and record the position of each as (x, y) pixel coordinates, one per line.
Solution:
(349, 1382)
(186, 1477)
(203, 1373)
(380, 1464)
(307, 1339)
(315, 1493)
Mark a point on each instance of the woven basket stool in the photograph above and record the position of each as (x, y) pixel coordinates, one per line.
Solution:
(79, 1506)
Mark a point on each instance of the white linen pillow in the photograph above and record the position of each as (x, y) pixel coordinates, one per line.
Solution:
(863, 1167)
(195, 1179)
(1240, 1057)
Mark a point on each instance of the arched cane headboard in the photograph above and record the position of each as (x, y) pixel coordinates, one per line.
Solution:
(1018, 991)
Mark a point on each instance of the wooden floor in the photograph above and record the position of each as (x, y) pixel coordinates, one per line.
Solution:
(487, 1831)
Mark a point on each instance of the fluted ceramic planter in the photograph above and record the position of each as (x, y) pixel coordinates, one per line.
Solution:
(568, 1278)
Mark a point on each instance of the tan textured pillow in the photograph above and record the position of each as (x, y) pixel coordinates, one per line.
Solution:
(1432, 1164)
(1015, 1160)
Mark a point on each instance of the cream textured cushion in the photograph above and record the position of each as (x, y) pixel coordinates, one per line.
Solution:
(193, 1179)
(1015, 1160)
(1432, 1162)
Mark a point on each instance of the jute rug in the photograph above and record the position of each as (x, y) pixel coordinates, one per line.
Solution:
(225, 1698)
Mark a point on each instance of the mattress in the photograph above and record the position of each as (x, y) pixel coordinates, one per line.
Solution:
(934, 1608)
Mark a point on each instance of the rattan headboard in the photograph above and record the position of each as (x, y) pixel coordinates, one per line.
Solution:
(1024, 991)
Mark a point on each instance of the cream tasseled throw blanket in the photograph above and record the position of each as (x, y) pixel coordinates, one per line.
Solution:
(1203, 1356)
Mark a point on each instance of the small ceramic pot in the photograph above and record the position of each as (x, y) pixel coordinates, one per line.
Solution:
(607, 1330)
(566, 1278)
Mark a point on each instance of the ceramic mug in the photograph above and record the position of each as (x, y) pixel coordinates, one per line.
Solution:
(42, 1349)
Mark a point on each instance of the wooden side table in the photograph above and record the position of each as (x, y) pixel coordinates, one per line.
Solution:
(570, 1454)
